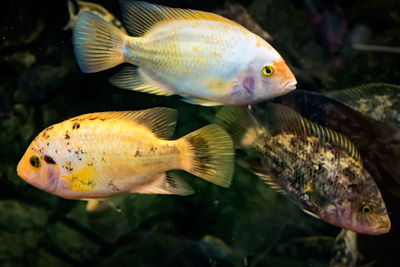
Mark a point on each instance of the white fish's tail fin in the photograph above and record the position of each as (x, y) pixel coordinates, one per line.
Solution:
(240, 124)
(208, 153)
(98, 45)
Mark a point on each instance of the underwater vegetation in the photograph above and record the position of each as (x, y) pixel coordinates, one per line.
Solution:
(247, 224)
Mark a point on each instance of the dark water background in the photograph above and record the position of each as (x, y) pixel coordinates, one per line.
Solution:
(41, 85)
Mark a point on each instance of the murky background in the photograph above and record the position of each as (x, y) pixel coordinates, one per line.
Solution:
(329, 45)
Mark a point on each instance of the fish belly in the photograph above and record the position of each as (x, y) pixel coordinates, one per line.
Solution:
(196, 58)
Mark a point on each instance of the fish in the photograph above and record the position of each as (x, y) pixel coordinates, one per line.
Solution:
(344, 251)
(377, 100)
(319, 169)
(197, 55)
(97, 9)
(100, 155)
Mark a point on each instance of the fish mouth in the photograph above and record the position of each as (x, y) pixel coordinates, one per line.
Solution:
(291, 85)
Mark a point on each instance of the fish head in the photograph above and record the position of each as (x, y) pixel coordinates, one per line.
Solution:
(38, 168)
(362, 210)
(273, 75)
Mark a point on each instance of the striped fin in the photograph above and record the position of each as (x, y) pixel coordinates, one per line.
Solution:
(141, 17)
(134, 78)
(161, 121)
(364, 90)
(208, 153)
(255, 165)
(285, 120)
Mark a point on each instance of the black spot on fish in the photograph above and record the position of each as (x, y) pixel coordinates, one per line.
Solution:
(75, 126)
(67, 136)
(137, 154)
(49, 159)
(69, 150)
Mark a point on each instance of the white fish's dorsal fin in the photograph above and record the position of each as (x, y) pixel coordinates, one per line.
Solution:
(255, 165)
(141, 17)
(286, 120)
(133, 78)
(161, 121)
(165, 183)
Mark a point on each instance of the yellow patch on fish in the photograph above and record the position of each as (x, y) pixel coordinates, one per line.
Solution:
(82, 180)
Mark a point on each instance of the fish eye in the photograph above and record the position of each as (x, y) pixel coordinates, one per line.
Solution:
(267, 71)
(35, 161)
(366, 209)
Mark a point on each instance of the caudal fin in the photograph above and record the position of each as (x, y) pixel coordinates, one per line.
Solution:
(208, 153)
(98, 45)
(240, 124)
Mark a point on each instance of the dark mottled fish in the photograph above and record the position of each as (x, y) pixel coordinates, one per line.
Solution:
(380, 101)
(344, 251)
(318, 168)
(91, 7)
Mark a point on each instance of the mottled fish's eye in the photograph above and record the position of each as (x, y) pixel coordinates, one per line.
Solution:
(267, 71)
(366, 209)
(35, 161)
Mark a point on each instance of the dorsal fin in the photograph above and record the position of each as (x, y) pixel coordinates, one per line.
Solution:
(161, 121)
(286, 120)
(364, 90)
(141, 17)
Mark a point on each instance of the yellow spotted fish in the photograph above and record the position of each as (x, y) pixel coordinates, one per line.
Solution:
(208, 59)
(100, 155)
(82, 6)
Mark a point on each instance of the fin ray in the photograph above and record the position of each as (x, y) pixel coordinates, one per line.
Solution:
(141, 17)
(133, 78)
(208, 153)
(161, 121)
(98, 45)
(283, 119)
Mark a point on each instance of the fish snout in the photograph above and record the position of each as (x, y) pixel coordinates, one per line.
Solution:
(291, 85)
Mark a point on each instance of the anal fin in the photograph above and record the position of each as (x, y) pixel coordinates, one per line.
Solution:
(165, 183)
(134, 78)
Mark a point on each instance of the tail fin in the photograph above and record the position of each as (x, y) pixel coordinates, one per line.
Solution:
(208, 153)
(240, 124)
(98, 45)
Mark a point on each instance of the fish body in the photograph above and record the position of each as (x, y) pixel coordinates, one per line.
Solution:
(206, 58)
(100, 155)
(318, 168)
(90, 7)
(344, 252)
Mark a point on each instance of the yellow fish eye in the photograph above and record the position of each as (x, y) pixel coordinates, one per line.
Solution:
(267, 71)
(366, 209)
(34, 161)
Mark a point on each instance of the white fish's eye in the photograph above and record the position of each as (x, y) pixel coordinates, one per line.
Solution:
(267, 71)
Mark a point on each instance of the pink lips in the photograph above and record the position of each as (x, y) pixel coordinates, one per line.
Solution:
(290, 85)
